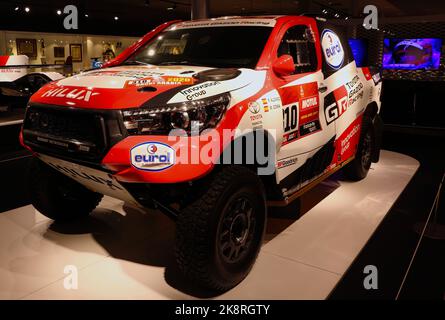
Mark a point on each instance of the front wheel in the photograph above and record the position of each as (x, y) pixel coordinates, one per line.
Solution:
(358, 168)
(58, 197)
(219, 236)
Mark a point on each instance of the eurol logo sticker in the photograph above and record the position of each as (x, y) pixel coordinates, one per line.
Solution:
(332, 49)
(152, 156)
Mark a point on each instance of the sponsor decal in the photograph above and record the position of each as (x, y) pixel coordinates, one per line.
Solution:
(254, 107)
(152, 156)
(283, 163)
(161, 80)
(265, 104)
(198, 91)
(345, 143)
(75, 94)
(366, 73)
(128, 74)
(224, 23)
(338, 101)
(309, 127)
(355, 90)
(309, 102)
(275, 102)
(376, 78)
(256, 117)
(301, 112)
(332, 49)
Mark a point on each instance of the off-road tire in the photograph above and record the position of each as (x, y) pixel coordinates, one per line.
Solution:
(58, 197)
(358, 168)
(204, 243)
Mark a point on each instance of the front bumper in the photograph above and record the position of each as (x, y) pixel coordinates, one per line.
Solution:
(98, 139)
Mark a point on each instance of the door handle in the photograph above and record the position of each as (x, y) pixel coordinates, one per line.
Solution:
(322, 89)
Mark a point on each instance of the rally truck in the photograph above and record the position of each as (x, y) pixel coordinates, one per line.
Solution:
(168, 125)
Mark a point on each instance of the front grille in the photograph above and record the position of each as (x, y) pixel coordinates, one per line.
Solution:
(77, 134)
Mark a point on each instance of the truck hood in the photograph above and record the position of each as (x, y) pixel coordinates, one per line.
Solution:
(135, 86)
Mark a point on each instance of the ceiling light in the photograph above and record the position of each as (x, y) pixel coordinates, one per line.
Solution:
(173, 7)
(86, 15)
(16, 9)
(27, 9)
(116, 18)
(59, 12)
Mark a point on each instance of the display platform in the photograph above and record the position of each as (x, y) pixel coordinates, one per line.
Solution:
(123, 253)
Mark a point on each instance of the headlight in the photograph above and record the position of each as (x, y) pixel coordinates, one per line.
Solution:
(206, 113)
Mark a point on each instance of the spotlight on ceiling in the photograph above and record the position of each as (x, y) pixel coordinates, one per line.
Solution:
(59, 12)
(116, 18)
(16, 8)
(173, 7)
(86, 15)
(27, 9)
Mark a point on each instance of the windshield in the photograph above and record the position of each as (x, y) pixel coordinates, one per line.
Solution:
(219, 47)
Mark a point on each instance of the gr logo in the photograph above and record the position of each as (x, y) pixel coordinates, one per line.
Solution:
(370, 282)
(331, 112)
(336, 103)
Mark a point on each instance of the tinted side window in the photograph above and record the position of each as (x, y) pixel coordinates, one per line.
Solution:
(298, 42)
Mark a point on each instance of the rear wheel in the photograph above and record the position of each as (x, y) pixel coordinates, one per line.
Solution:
(358, 168)
(219, 236)
(57, 196)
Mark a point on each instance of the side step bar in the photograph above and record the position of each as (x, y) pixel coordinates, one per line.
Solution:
(298, 192)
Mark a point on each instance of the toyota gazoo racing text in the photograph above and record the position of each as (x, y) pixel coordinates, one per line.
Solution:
(212, 122)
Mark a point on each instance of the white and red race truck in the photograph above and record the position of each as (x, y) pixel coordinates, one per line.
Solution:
(209, 121)
(18, 81)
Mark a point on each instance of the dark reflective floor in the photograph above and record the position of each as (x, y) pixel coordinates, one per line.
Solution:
(392, 246)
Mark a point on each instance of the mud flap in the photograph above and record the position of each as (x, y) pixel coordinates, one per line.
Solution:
(378, 133)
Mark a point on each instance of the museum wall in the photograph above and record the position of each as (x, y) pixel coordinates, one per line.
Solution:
(92, 46)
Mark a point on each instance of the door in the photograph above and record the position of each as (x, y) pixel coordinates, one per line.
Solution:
(302, 96)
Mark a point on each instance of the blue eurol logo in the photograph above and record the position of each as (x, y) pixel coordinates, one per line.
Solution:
(332, 49)
(152, 159)
(152, 156)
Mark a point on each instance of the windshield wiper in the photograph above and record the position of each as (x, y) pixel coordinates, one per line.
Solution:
(135, 62)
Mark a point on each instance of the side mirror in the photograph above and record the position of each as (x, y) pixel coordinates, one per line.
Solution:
(284, 65)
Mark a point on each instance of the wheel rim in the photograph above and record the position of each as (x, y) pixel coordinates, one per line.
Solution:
(236, 230)
(366, 151)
